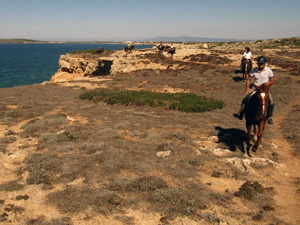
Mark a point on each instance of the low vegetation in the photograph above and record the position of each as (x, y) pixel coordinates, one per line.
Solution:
(90, 51)
(185, 102)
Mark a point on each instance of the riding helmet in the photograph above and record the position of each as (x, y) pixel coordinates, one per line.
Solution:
(261, 59)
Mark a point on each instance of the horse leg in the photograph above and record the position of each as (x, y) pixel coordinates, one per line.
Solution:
(259, 136)
(246, 72)
(254, 133)
(248, 136)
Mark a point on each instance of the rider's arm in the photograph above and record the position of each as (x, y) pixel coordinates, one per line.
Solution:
(271, 82)
(248, 85)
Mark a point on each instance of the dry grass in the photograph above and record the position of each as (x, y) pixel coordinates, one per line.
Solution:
(290, 131)
(107, 160)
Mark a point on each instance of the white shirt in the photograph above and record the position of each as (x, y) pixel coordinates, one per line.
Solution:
(247, 55)
(261, 77)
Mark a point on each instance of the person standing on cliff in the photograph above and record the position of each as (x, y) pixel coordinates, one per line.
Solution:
(262, 75)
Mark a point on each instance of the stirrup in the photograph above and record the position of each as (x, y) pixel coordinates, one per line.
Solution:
(270, 120)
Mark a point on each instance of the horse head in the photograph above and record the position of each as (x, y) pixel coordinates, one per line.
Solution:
(246, 69)
(263, 99)
(264, 88)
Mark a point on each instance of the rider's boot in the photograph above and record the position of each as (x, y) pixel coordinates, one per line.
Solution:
(240, 114)
(270, 114)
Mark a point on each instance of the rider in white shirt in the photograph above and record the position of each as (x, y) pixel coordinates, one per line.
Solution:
(247, 55)
(262, 75)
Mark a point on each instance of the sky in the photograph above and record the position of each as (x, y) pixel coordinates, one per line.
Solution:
(129, 20)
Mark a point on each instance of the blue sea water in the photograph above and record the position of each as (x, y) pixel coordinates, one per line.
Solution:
(25, 64)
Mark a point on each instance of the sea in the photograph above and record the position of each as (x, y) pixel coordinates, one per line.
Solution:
(31, 63)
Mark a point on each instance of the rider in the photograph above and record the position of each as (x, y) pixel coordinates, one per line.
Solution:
(171, 50)
(172, 46)
(247, 55)
(262, 75)
(160, 45)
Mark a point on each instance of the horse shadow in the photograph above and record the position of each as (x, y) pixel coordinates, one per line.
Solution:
(238, 78)
(232, 138)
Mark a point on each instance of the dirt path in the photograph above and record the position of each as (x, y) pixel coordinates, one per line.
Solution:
(287, 197)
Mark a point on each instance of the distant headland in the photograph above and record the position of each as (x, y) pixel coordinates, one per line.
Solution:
(7, 41)
(149, 40)
(25, 41)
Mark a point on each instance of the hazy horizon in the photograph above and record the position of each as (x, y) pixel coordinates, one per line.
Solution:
(117, 20)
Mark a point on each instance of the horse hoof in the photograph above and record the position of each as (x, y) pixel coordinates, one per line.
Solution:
(254, 149)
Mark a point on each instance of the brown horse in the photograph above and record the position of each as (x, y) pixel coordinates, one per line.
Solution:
(129, 49)
(256, 114)
(100, 50)
(246, 69)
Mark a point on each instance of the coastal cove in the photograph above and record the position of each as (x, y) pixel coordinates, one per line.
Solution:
(26, 64)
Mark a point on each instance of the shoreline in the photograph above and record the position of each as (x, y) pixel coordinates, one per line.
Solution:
(182, 50)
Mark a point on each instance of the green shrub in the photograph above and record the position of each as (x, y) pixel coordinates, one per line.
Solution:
(185, 102)
(90, 51)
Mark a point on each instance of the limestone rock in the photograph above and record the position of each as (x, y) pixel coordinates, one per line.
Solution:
(73, 66)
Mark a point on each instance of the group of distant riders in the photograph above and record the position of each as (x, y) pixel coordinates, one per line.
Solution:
(170, 49)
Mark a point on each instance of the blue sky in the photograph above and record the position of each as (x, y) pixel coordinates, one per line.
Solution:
(92, 20)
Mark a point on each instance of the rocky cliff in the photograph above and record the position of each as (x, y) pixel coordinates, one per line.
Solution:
(73, 66)
(89, 67)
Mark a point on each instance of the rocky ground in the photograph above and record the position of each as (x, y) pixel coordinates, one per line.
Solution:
(70, 161)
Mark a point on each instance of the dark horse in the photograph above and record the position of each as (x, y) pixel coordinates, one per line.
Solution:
(171, 51)
(246, 69)
(129, 49)
(161, 48)
(256, 114)
(100, 50)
